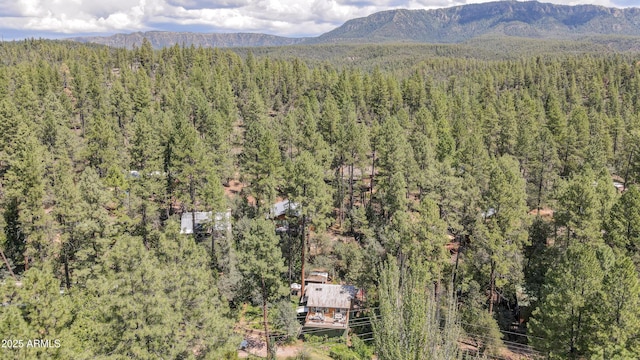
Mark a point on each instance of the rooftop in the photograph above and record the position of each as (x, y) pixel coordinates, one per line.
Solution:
(284, 208)
(221, 221)
(330, 296)
(317, 277)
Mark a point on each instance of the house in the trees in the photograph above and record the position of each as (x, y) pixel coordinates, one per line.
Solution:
(523, 304)
(328, 306)
(283, 209)
(317, 277)
(284, 214)
(488, 214)
(619, 186)
(206, 223)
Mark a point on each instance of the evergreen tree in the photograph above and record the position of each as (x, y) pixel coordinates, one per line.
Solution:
(577, 208)
(616, 312)
(124, 311)
(501, 234)
(623, 225)
(260, 263)
(35, 309)
(28, 224)
(312, 195)
(193, 296)
(395, 167)
(563, 324)
(262, 163)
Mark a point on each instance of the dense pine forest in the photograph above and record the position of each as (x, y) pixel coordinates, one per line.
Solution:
(485, 207)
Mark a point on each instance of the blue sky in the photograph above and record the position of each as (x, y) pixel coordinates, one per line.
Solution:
(64, 18)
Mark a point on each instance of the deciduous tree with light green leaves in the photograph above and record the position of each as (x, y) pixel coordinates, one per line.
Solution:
(408, 325)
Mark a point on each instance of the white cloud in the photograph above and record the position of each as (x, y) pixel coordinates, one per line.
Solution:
(282, 17)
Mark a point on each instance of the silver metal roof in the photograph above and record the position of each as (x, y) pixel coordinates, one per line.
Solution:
(284, 207)
(330, 296)
(221, 221)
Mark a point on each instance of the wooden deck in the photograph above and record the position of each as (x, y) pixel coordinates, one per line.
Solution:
(327, 320)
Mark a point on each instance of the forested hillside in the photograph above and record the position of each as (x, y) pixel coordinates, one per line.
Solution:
(529, 19)
(457, 24)
(487, 202)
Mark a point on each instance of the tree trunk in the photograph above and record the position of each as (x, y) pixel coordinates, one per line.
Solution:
(193, 220)
(492, 285)
(290, 253)
(539, 200)
(192, 195)
(67, 276)
(6, 262)
(264, 318)
(341, 196)
(373, 171)
(82, 122)
(626, 173)
(351, 186)
(566, 158)
(304, 255)
(145, 238)
(454, 276)
(214, 261)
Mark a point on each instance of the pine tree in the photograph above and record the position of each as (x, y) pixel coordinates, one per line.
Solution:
(188, 166)
(577, 208)
(351, 149)
(101, 143)
(313, 196)
(36, 309)
(124, 310)
(623, 225)
(27, 233)
(501, 234)
(542, 172)
(95, 226)
(618, 322)
(67, 214)
(395, 167)
(562, 325)
(193, 295)
(260, 263)
(146, 190)
(262, 163)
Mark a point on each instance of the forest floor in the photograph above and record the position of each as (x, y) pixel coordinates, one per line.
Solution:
(257, 348)
(545, 213)
(282, 352)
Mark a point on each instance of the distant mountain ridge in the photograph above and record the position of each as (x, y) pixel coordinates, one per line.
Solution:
(160, 39)
(530, 19)
(457, 24)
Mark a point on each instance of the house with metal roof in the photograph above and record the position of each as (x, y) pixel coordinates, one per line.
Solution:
(284, 208)
(206, 222)
(317, 277)
(328, 305)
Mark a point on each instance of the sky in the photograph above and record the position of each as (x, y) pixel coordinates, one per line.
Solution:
(297, 18)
